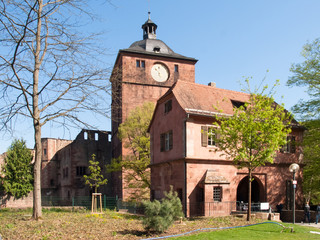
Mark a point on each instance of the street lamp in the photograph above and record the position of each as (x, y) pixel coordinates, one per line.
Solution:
(294, 168)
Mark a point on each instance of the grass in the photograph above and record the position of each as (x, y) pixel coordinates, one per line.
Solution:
(81, 224)
(264, 231)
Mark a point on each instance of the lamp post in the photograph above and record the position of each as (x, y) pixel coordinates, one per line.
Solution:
(294, 168)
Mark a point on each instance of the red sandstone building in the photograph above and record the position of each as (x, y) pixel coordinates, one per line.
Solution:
(143, 72)
(183, 155)
(207, 183)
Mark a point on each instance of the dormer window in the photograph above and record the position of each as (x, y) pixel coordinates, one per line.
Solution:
(237, 104)
(156, 49)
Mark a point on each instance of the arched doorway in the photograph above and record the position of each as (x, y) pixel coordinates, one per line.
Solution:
(257, 190)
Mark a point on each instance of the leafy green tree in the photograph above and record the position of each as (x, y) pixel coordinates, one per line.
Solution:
(159, 216)
(253, 135)
(133, 133)
(307, 74)
(95, 179)
(17, 171)
(311, 151)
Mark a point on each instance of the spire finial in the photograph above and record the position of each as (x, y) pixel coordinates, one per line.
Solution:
(149, 28)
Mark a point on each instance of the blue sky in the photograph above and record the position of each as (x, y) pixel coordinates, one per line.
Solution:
(232, 39)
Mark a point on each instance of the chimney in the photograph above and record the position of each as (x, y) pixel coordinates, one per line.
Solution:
(212, 84)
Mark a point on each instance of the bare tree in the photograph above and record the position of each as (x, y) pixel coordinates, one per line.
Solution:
(49, 70)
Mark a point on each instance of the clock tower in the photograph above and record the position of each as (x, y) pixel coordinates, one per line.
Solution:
(143, 72)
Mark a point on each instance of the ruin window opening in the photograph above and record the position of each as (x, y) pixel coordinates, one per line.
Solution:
(85, 135)
(80, 171)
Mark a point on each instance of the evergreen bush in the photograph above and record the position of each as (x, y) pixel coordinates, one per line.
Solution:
(159, 216)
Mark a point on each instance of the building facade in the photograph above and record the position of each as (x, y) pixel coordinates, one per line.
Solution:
(143, 73)
(184, 156)
(64, 162)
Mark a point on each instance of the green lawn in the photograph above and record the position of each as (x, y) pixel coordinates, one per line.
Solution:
(262, 231)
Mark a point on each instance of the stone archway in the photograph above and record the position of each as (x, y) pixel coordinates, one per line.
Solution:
(257, 190)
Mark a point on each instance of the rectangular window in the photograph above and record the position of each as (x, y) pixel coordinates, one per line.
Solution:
(208, 136)
(176, 68)
(217, 194)
(290, 146)
(168, 106)
(45, 152)
(140, 64)
(166, 141)
(80, 170)
(211, 136)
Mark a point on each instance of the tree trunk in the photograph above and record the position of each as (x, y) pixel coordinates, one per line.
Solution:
(37, 211)
(249, 194)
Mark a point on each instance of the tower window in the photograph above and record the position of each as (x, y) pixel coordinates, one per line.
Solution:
(140, 64)
(176, 68)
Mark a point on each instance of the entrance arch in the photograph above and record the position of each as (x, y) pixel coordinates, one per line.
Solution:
(257, 190)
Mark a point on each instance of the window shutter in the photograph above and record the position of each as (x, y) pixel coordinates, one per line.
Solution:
(204, 136)
(170, 140)
(217, 136)
(162, 142)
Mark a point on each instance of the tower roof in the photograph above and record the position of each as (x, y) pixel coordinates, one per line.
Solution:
(150, 45)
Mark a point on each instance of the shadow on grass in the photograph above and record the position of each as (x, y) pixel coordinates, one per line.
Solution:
(135, 233)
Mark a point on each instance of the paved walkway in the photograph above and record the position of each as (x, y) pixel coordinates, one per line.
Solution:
(310, 225)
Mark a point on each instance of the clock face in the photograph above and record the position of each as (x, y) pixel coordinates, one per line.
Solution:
(159, 72)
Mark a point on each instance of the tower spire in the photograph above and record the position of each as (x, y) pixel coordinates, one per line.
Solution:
(149, 28)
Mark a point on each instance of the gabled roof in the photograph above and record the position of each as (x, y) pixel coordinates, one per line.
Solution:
(205, 100)
(208, 101)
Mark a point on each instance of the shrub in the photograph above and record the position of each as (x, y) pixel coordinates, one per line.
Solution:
(159, 216)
